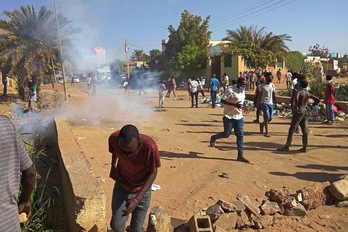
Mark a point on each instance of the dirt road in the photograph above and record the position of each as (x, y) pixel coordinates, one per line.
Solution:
(189, 175)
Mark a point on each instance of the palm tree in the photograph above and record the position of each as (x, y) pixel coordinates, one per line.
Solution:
(155, 59)
(139, 55)
(32, 43)
(253, 42)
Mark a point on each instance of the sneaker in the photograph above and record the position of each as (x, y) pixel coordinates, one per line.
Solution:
(304, 150)
(267, 135)
(261, 128)
(224, 175)
(283, 149)
(212, 141)
(244, 160)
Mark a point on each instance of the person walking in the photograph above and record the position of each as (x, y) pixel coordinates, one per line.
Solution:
(94, 86)
(224, 82)
(134, 163)
(329, 100)
(266, 99)
(89, 83)
(213, 88)
(200, 87)
(16, 169)
(300, 116)
(233, 100)
(72, 81)
(173, 86)
(279, 75)
(194, 92)
(32, 98)
(161, 89)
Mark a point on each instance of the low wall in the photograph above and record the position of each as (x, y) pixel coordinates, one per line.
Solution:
(84, 198)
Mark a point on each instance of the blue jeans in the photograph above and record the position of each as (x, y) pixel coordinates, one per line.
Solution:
(330, 115)
(267, 110)
(237, 126)
(213, 97)
(119, 200)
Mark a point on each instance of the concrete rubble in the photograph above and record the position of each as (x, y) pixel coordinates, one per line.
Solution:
(256, 213)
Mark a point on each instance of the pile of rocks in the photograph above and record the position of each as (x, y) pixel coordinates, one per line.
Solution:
(258, 213)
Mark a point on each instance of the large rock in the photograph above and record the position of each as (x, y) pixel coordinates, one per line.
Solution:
(236, 206)
(214, 212)
(227, 221)
(270, 208)
(263, 221)
(252, 205)
(159, 220)
(281, 196)
(298, 210)
(243, 221)
(315, 195)
(339, 188)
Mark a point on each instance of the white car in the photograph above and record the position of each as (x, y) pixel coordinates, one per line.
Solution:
(76, 79)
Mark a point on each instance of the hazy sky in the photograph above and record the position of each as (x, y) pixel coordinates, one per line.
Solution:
(108, 23)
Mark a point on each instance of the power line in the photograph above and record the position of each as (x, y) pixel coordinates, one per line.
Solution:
(247, 9)
(255, 11)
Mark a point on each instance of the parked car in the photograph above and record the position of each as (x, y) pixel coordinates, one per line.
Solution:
(76, 79)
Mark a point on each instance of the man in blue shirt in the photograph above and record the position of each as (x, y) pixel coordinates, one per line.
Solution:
(213, 87)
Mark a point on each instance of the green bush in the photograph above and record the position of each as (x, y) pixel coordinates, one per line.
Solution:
(42, 202)
(341, 91)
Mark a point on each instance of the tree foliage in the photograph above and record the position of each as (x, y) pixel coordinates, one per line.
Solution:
(32, 43)
(294, 61)
(139, 55)
(256, 45)
(186, 47)
(155, 60)
(316, 50)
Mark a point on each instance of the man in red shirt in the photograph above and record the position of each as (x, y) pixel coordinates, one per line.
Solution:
(329, 100)
(135, 159)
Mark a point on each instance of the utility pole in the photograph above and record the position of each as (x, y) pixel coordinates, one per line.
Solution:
(61, 52)
(127, 58)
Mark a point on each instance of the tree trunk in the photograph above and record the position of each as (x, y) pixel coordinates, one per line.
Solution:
(4, 82)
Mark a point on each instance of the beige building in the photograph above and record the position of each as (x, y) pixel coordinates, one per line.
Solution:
(233, 65)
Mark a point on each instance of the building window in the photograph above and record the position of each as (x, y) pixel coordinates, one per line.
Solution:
(279, 63)
(228, 61)
(248, 63)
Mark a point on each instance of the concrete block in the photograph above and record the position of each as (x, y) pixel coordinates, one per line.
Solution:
(200, 223)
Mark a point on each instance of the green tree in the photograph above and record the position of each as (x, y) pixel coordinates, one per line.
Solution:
(256, 45)
(155, 60)
(186, 48)
(294, 60)
(316, 50)
(32, 44)
(139, 55)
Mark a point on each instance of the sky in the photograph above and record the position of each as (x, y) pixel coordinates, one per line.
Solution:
(144, 23)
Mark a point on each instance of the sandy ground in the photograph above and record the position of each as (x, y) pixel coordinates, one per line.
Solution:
(189, 175)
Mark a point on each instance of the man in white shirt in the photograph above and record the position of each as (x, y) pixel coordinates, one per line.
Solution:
(193, 85)
(266, 100)
(233, 99)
